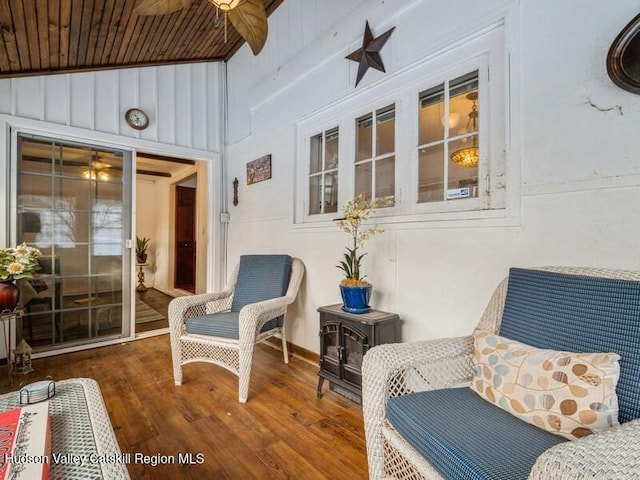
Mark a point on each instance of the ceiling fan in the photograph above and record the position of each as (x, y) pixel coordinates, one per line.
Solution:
(248, 17)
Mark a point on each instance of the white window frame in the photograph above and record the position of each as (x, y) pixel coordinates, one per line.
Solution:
(486, 51)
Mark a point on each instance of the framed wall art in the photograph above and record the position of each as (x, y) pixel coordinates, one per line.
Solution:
(259, 170)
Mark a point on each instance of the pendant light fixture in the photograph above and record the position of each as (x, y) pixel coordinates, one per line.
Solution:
(469, 157)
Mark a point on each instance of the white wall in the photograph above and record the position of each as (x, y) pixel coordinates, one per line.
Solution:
(147, 201)
(574, 167)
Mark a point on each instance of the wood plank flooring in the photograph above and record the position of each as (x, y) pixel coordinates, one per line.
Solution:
(283, 432)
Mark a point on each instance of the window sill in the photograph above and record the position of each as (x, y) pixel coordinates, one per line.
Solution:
(460, 219)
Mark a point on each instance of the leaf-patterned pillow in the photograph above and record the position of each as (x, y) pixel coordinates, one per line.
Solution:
(569, 394)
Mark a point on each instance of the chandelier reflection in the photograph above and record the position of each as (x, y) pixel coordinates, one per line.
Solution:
(98, 171)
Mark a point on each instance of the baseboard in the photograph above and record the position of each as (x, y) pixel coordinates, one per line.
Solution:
(294, 350)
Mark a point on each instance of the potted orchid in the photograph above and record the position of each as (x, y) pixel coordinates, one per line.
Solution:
(355, 290)
(16, 263)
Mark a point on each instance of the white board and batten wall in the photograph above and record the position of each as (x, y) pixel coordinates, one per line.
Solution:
(571, 143)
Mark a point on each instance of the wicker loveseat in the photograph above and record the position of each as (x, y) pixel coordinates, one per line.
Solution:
(418, 425)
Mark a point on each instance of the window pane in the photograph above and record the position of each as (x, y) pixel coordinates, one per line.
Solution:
(431, 115)
(315, 159)
(331, 149)
(35, 191)
(314, 195)
(71, 191)
(465, 152)
(71, 160)
(385, 177)
(331, 192)
(385, 130)
(363, 179)
(463, 105)
(462, 177)
(431, 174)
(363, 141)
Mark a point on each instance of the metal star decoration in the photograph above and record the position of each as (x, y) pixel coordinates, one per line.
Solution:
(369, 54)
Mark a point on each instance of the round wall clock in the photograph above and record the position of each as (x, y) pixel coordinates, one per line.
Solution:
(136, 118)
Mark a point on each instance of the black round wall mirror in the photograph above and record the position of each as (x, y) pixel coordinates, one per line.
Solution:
(623, 60)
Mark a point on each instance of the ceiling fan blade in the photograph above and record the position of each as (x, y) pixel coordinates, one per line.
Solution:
(160, 7)
(250, 20)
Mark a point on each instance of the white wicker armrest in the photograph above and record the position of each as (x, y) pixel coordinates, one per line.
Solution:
(614, 453)
(183, 308)
(394, 369)
(417, 366)
(255, 315)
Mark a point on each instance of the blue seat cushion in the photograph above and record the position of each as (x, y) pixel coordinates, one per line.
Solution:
(579, 314)
(465, 437)
(223, 324)
(261, 277)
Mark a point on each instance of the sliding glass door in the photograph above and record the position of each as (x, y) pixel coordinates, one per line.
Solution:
(73, 202)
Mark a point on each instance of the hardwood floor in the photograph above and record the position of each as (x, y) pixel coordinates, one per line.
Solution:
(283, 432)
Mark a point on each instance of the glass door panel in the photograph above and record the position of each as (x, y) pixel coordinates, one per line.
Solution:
(73, 203)
(330, 348)
(354, 346)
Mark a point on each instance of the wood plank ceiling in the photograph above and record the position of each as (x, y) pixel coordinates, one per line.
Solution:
(55, 36)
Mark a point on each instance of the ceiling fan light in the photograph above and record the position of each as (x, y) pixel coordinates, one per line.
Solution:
(226, 5)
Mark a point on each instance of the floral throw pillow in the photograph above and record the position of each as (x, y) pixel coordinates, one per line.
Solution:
(565, 393)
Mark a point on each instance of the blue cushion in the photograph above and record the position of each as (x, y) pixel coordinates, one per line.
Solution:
(223, 324)
(579, 314)
(465, 437)
(261, 277)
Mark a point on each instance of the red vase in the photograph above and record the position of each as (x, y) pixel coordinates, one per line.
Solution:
(9, 296)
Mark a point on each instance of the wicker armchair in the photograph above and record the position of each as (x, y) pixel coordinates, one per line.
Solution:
(222, 328)
(395, 370)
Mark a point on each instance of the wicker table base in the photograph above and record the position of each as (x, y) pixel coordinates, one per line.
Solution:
(80, 426)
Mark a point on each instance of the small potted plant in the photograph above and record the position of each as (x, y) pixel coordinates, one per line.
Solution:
(355, 290)
(16, 263)
(142, 244)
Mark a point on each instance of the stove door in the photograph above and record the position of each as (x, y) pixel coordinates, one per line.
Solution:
(330, 348)
(355, 346)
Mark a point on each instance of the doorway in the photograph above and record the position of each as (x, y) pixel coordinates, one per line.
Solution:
(185, 236)
(171, 210)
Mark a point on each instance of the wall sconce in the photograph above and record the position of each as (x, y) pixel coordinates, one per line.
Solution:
(235, 191)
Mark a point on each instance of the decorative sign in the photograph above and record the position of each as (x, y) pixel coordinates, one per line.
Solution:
(259, 170)
(454, 193)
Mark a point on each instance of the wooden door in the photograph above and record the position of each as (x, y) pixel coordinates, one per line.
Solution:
(185, 258)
